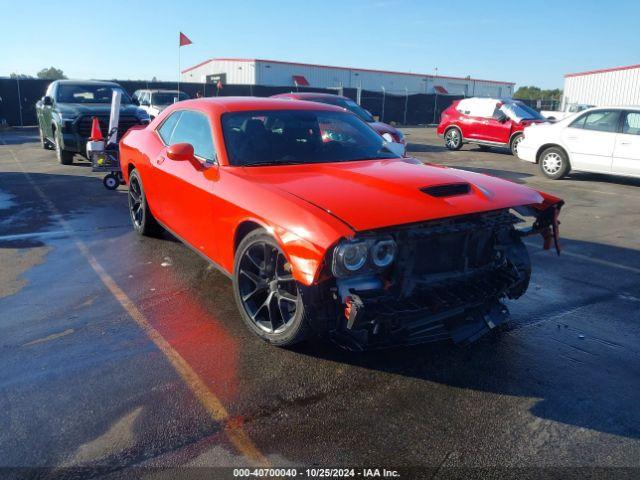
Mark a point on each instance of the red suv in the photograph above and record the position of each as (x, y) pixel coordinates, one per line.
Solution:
(488, 122)
(390, 133)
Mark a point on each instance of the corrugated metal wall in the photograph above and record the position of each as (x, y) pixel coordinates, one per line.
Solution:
(618, 87)
(260, 72)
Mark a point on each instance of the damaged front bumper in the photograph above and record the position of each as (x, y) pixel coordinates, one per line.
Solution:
(448, 282)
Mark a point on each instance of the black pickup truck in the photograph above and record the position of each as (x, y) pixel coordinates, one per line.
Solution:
(66, 111)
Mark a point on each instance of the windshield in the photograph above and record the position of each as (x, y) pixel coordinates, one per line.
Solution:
(278, 137)
(519, 111)
(167, 98)
(348, 104)
(73, 93)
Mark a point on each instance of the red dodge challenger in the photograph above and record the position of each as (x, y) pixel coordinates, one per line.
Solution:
(324, 231)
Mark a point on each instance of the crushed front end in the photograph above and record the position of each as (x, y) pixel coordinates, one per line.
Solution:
(447, 280)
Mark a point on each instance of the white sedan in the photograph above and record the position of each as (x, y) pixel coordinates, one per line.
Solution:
(601, 140)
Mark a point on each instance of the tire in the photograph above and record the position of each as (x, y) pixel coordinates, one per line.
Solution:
(110, 181)
(267, 295)
(554, 163)
(453, 139)
(64, 157)
(513, 145)
(142, 219)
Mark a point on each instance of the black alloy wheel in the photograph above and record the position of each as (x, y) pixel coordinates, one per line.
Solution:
(266, 291)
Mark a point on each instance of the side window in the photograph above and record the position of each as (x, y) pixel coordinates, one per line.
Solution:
(602, 121)
(168, 126)
(194, 128)
(578, 122)
(631, 124)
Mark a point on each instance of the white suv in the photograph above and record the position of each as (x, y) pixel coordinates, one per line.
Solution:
(601, 140)
(154, 101)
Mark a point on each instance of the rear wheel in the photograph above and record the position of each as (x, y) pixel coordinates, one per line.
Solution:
(515, 141)
(554, 163)
(453, 139)
(141, 217)
(266, 293)
(64, 156)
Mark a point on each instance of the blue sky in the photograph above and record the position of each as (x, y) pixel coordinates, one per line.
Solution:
(530, 43)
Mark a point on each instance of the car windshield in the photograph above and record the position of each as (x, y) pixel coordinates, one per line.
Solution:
(76, 93)
(278, 137)
(167, 98)
(348, 104)
(519, 111)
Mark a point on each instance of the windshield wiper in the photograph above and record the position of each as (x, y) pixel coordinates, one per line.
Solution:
(263, 164)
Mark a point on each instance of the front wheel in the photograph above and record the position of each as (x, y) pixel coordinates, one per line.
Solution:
(64, 156)
(267, 295)
(515, 141)
(453, 139)
(554, 163)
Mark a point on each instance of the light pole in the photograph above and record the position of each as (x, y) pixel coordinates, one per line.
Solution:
(384, 94)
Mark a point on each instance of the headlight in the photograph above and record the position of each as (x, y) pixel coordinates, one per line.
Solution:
(351, 256)
(363, 256)
(383, 252)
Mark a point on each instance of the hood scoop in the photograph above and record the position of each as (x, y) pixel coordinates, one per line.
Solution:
(447, 190)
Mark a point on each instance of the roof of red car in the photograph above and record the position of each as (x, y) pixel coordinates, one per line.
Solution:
(303, 95)
(232, 104)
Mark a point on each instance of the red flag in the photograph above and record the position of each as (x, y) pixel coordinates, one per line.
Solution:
(219, 84)
(184, 40)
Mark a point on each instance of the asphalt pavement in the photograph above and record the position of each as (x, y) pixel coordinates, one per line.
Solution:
(123, 355)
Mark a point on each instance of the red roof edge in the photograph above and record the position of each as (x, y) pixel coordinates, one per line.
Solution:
(430, 75)
(603, 70)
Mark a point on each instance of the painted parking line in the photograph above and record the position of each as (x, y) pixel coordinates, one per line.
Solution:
(211, 403)
(589, 259)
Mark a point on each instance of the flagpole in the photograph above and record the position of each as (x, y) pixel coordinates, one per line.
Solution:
(178, 66)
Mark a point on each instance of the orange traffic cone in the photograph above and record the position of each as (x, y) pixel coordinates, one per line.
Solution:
(96, 134)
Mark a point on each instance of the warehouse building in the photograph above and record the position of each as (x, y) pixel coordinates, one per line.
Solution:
(245, 71)
(610, 86)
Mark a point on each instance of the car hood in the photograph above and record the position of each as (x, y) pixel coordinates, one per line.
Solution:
(380, 193)
(383, 128)
(94, 109)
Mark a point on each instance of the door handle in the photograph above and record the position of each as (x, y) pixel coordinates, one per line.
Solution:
(625, 143)
(572, 138)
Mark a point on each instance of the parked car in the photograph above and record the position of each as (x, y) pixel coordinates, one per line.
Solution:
(154, 101)
(66, 111)
(323, 230)
(488, 122)
(569, 109)
(602, 140)
(388, 132)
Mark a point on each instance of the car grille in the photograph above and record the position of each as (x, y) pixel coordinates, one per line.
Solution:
(83, 125)
(458, 245)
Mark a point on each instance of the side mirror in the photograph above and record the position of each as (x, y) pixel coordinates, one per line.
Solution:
(47, 100)
(180, 152)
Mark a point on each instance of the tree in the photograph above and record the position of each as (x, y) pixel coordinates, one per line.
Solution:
(51, 73)
(535, 93)
(19, 76)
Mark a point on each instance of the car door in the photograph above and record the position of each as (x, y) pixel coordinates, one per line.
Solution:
(497, 128)
(185, 188)
(590, 140)
(626, 153)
